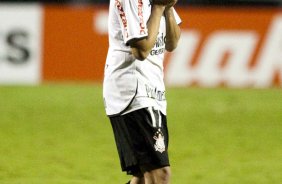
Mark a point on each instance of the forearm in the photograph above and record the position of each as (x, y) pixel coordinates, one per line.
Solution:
(142, 48)
(172, 30)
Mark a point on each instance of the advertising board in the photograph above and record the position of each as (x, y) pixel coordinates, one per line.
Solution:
(232, 47)
(20, 44)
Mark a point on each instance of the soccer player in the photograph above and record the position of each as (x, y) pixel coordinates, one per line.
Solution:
(134, 92)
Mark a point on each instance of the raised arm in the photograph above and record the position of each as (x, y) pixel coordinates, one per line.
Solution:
(141, 47)
(172, 30)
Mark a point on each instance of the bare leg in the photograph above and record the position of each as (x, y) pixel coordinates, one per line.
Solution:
(138, 179)
(157, 176)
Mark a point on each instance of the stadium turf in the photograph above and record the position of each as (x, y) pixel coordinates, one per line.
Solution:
(59, 134)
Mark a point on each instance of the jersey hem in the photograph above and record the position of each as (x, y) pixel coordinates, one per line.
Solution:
(120, 113)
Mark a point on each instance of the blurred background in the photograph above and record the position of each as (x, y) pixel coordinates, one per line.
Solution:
(223, 89)
(234, 43)
(189, 2)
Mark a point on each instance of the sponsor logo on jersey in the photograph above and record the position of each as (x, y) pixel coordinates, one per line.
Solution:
(159, 47)
(155, 93)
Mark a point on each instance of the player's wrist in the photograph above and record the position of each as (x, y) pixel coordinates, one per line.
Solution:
(168, 10)
(158, 7)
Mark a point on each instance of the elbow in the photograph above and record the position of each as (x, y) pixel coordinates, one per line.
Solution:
(141, 48)
(170, 47)
(140, 55)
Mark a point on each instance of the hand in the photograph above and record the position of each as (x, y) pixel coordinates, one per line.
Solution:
(173, 2)
(167, 3)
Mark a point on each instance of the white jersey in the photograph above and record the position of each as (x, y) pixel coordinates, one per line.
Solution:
(130, 84)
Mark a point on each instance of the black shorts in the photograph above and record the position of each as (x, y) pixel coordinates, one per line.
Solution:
(142, 139)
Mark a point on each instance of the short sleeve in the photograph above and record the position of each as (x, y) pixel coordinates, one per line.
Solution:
(177, 18)
(132, 20)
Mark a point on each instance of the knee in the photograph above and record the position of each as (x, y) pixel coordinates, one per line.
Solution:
(164, 175)
(157, 176)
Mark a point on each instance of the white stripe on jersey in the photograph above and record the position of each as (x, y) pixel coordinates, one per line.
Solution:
(160, 119)
(150, 109)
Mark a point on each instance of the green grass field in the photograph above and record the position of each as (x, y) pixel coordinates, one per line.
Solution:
(59, 134)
